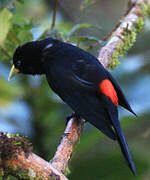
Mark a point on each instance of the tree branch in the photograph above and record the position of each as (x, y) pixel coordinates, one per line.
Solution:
(67, 144)
(17, 159)
(54, 14)
(22, 163)
(31, 167)
(124, 36)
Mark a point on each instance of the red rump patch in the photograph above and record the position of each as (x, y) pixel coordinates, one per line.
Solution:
(108, 90)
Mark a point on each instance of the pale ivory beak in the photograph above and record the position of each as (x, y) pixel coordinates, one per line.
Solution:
(13, 72)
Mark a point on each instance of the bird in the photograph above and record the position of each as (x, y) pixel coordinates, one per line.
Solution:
(81, 81)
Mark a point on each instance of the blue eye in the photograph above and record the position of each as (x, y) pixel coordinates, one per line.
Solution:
(18, 63)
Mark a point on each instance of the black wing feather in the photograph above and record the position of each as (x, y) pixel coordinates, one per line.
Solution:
(122, 99)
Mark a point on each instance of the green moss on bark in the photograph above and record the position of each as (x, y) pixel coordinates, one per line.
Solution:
(139, 25)
(11, 144)
(121, 49)
(129, 38)
(145, 9)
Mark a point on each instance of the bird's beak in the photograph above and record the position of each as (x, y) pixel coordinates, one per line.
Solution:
(13, 72)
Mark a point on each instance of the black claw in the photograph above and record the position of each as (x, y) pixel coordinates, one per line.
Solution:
(71, 115)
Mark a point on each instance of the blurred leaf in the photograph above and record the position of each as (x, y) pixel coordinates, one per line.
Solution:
(93, 136)
(5, 16)
(4, 3)
(20, 1)
(87, 38)
(81, 39)
(86, 3)
(25, 35)
(20, 34)
(106, 166)
(80, 26)
(55, 33)
(8, 4)
(8, 92)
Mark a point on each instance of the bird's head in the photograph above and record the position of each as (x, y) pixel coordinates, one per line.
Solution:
(28, 58)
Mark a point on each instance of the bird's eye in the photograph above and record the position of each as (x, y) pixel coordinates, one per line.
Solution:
(18, 63)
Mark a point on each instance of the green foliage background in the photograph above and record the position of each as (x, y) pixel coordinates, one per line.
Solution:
(96, 157)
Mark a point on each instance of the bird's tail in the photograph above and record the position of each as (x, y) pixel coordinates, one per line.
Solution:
(122, 142)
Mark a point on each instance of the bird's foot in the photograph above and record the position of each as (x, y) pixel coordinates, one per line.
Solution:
(71, 115)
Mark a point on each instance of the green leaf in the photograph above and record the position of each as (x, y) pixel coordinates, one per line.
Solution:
(88, 38)
(84, 39)
(80, 26)
(5, 16)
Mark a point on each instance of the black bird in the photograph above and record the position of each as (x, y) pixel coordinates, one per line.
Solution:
(81, 81)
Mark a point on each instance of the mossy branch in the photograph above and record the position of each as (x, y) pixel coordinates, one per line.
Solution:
(123, 38)
(17, 159)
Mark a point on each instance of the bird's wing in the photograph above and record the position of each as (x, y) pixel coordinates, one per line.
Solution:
(94, 75)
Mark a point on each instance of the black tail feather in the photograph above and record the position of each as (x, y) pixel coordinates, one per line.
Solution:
(122, 142)
(126, 152)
